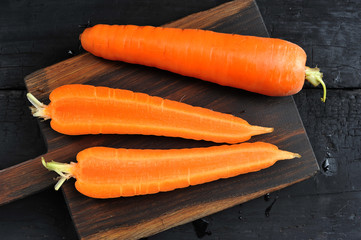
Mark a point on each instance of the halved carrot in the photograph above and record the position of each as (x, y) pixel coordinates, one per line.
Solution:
(267, 66)
(103, 172)
(83, 109)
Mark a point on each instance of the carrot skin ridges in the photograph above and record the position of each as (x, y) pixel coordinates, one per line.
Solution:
(268, 66)
(103, 172)
(77, 109)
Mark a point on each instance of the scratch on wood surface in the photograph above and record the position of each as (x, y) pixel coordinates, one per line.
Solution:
(343, 207)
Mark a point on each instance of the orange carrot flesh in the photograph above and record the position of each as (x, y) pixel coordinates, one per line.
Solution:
(268, 66)
(103, 172)
(83, 109)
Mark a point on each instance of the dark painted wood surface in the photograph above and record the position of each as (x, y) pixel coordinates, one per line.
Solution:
(323, 207)
(131, 218)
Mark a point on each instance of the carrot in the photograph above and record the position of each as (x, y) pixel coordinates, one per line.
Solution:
(268, 66)
(103, 172)
(77, 109)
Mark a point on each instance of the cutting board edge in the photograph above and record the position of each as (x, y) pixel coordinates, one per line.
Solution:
(116, 232)
(306, 135)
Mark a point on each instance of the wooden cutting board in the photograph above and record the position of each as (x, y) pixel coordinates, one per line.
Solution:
(136, 217)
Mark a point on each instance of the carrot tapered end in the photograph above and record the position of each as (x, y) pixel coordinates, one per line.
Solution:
(286, 155)
(257, 130)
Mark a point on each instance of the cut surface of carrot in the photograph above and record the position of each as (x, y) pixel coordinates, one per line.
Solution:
(103, 172)
(268, 66)
(83, 109)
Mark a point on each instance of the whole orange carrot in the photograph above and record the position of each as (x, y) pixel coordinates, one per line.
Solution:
(83, 109)
(108, 172)
(267, 66)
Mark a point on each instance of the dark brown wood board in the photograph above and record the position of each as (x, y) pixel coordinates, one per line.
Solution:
(138, 217)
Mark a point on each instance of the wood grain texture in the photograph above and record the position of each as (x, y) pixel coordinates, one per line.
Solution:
(76, 69)
(43, 215)
(17, 126)
(188, 204)
(291, 217)
(327, 30)
(325, 206)
(116, 220)
(36, 35)
(335, 130)
(317, 208)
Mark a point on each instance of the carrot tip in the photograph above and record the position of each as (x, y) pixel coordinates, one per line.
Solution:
(314, 76)
(269, 130)
(290, 155)
(262, 130)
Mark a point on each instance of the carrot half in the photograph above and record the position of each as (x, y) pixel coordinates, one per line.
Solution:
(268, 66)
(103, 172)
(77, 109)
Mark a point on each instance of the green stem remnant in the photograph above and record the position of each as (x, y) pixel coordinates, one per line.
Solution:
(63, 169)
(38, 109)
(314, 76)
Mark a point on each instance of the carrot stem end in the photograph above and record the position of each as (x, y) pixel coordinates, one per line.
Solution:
(314, 76)
(63, 169)
(38, 108)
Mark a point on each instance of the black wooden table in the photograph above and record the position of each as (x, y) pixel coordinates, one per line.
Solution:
(327, 206)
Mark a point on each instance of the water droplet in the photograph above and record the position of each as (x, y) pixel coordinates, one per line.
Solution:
(200, 227)
(338, 77)
(88, 24)
(267, 197)
(268, 209)
(329, 167)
